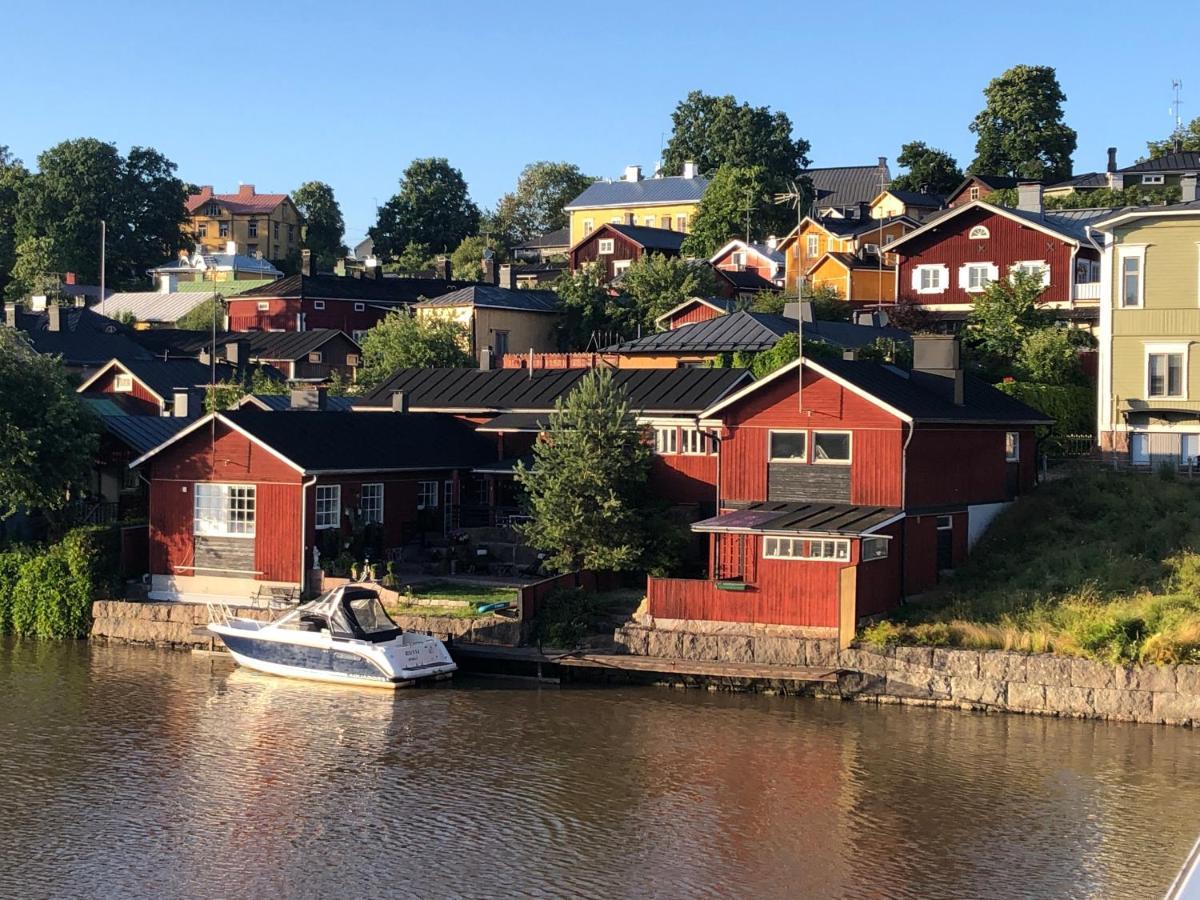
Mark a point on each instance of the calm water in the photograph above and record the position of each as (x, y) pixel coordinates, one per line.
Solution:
(132, 772)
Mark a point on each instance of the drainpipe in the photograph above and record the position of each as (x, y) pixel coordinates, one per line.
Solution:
(912, 427)
(304, 486)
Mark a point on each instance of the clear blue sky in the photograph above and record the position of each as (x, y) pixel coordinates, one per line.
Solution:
(349, 92)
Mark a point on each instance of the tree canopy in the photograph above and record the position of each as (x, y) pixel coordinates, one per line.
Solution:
(717, 131)
(201, 316)
(402, 339)
(1020, 131)
(12, 173)
(722, 212)
(324, 227)
(536, 205)
(432, 208)
(587, 488)
(656, 283)
(591, 315)
(1187, 139)
(466, 262)
(1002, 317)
(47, 438)
(929, 169)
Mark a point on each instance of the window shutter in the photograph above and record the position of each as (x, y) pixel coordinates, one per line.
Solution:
(963, 277)
(993, 272)
(916, 278)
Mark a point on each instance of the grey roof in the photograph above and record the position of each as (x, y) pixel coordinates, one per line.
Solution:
(155, 306)
(916, 198)
(237, 262)
(846, 185)
(746, 280)
(800, 518)
(283, 402)
(671, 189)
(1184, 161)
(143, 433)
(364, 248)
(84, 339)
(163, 376)
(751, 332)
(493, 297)
(529, 422)
(1071, 223)
(683, 390)
(649, 238)
(560, 237)
(1085, 181)
(284, 345)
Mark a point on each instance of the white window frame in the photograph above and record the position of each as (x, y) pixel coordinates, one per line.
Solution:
(589, 226)
(1184, 437)
(358, 334)
(122, 383)
(1152, 350)
(316, 356)
(1131, 251)
(832, 462)
(872, 548)
(812, 245)
(978, 233)
(263, 306)
(360, 307)
(428, 493)
(648, 221)
(967, 270)
(695, 442)
(681, 222)
(606, 246)
(771, 458)
(737, 258)
(1012, 446)
(1154, 179)
(814, 548)
(353, 360)
(214, 508)
(318, 304)
(1032, 267)
(370, 502)
(973, 192)
(328, 507)
(621, 265)
(666, 440)
(943, 278)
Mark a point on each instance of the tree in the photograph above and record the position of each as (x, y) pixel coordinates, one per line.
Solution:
(12, 173)
(466, 262)
(432, 207)
(404, 340)
(929, 169)
(716, 131)
(1186, 140)
(1003, 317)
(201, 316)
(1020, 131)
(588, 486)
(1049, 356)
(1134, 195)
(323, 224)
(722, 212)
(47, 438)
(590, 312)
(413, 259)
(657, 283)
(536, 205)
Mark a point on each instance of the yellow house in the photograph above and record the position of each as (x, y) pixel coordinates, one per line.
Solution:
(889, 204)
(814, 238)
(499, 320)
(256, 223)
(1148, 407)
(667, 201)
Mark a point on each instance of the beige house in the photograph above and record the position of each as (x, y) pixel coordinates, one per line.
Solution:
(1148, 408)
(499, 320)
(254, 224)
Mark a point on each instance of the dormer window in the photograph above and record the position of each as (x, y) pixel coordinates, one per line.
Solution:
(606, 246)
(979, 233)
(973, 193)
(213, 210)
(123, 384)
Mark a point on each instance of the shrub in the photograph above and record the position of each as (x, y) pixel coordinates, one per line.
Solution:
(49, 601)
(10, 570)
(1073, 407)
(566, 616)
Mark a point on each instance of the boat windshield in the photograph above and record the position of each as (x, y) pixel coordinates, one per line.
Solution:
(370, 616)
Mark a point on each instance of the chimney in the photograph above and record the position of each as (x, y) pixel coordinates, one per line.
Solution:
(69, 278)
(245, 190)
(339, 268)
(689, 170)
(489, 269)
(306, 262)
(1112, 159)
(231, 248)
(850, 354)
(1029, 196)
(633, 173)
(798, 311)
(1187, 188)
(10, 315)
(399, 401)
(237, 353)
(183, 401)
(772, 242)
(883, 164)
(485, 359)
(53, 318)
(937, 365)
(507, 279)
(167, 283)
(310, 398)
(441, 268)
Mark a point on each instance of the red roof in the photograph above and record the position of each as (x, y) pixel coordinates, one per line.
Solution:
(244, 201)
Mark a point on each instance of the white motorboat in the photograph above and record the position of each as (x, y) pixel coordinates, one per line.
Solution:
(344, 636)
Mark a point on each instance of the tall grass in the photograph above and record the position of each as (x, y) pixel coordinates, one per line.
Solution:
(1100, 565)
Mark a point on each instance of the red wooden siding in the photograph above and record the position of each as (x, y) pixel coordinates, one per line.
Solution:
(280, 315)
(965, 465)
(139, 401)
(920, 550)
(233, 458)
(171, 542)
(277, 532)
(697, 312)
(879, 588)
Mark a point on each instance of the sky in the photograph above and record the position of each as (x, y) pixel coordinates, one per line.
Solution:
(350, 92)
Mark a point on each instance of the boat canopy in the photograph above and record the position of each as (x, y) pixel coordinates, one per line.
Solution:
(351, 612)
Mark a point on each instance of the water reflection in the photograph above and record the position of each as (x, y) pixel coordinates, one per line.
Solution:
(131, 772)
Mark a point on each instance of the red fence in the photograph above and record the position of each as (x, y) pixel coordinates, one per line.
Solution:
(531, 596)
(700, 599)
(559, 360)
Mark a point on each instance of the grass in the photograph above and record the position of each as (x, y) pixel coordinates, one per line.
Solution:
(461, 590)
(1100, 565)
(444, 612)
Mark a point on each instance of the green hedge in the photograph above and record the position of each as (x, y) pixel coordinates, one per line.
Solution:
(1073, 407)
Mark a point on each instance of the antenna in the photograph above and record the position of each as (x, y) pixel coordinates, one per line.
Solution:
(794, 196)
(1177, 134)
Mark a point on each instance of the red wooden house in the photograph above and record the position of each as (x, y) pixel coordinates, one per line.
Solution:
(695, 309)
(617, 247)
(950, 260)
(841, 496)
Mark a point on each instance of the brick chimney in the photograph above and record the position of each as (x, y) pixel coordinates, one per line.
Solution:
(1187, 188)
(489, 270)
(441, 268)
(691, 170)
(69, 278)
(1112, 159)
(1029, 197)
(183, 402)
(53, 318)
(245, 190)
(633, 173)
(237, 353)
(306, 262)
(10, 315)
(937, 365)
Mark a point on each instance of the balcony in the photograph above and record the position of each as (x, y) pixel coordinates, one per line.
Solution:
(1087, 290)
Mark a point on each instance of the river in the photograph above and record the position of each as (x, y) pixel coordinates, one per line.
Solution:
(128, 772)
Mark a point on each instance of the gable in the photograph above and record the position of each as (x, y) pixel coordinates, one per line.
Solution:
(220, 454)
(822, 403)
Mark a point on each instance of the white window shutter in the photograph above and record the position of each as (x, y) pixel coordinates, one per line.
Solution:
(916, 278)
(993, 273)
(964, 277)
(944, 282)
(1046, 275)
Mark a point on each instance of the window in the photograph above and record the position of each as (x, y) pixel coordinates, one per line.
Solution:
(1153, 179)
(945, 523)
(262, 305)
(788, 446)
(1012, 446)
(202, 231)
(352, 359)
(681, 223)
(370, 503)
(275, 230)
(1139, 449)
(291, 233)
(1035, 268)
(500, 343)
(930, 279)
(214, 209)
(251, 249)
(797, 548)
(427, 495)
(648, 221)
(1087, 271)
(812, 245)
(252, 228)
(621, 265)
(358, 334)
(588, 226)
(978, 233)
(316, 356)
(696, 442)
(617, 220)
(360, 307)
(329, 506)
(606, 246)
(1166, 371)
(130, 482)
(738, 258)
(874, 548)
(318, 304)
(123, 384)
(223, 229)
(1130, 261)
(1189, 448)
(223, 510)
(973, 193)
(974, 277)
(831, 447)
(665, 438)
(665, 222)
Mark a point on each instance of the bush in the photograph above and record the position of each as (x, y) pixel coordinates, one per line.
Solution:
(10, 570)
(52, 591)
(566, 616)
(1073, 407)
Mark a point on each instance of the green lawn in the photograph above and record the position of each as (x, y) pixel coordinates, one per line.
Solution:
(446, 612)
(1098, 564)
(461, 590)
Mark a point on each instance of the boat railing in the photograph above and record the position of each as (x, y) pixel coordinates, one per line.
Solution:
(219, 612)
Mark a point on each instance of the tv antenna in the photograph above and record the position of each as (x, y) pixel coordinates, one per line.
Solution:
(1177, 134)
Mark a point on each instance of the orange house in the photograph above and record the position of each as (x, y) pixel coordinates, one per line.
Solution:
(844, 253)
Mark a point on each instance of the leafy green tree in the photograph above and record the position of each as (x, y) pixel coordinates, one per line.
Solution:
(1134, 195)
(47, 438)
(657, 283)
(1020, 132)
(929, 169)
(588, 486)
(432, 207)
(536, 205)
(1187, 140)
(260, 383)
(223, 395)
(201, 316)
(1050, 356)
(34, 269)
(589, 309)
(466, 262)
(413, 259)
(81, 182)
(323, 224)
(718, 131)
(12, 174)
(1003, 317)
(722, 213)
(403, 340)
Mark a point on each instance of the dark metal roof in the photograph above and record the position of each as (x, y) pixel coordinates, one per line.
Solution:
(84, 338)
(1183, 161)
(337, 442)
(283, 402)
(647, 237)
(672, 189)
(684, 390)
(751, 332)
(746, 280)
(286, 345)
(1087, 180)
(846, 185)
(800, 518)
(504, 466)
(560, 237)
(492, 297)
(384, 290)
(142, 434)
(527, 422)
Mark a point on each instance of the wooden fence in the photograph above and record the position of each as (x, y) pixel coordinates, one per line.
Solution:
(531, 596)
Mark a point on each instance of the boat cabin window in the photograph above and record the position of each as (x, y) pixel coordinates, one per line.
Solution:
(369, 619)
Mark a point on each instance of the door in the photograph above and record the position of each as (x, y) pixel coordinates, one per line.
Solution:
(945, 542)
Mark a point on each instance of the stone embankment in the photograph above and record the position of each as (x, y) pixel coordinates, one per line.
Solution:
(999, 680)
